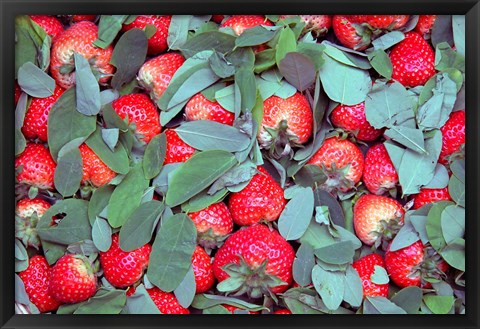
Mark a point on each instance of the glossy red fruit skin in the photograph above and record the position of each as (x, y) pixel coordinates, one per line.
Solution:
(121, 268)
(391, 22)
(379, 174)
(79, 18)
(352, 118)
(365, 267)
(428, 195)
(453, 135)
(240, 23)
(140, 110)
(158, 42)
(200, 108)
(425, 24)
(35, 279)
(166, 302)
(346, 33)
(232, 309)
(36, 117)
(412, 61)
(216, 217)
(95, 170)
(38, 166)
(18, 92)
(218, 18)
(203, 270)
(50, 24)
(282, 311)
(177, 149)
(255, 244)
(261, 200)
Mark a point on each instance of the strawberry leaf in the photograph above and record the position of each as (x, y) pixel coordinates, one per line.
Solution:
(211, 40)
(108, 28)
(108, 95)
(454, 254)
(161, 181)
(314, 51)
(110, 137)
(456, 189)
(178, 31)
(379, 275)
(34, 81)
(298, 70)
(185, 292)
(434, 226)
(353, 287)
(304, 301)
(256, 36)
(381, 63)
(337, 253)
(440, 178)
(28, 43)
(101, 234)
(203, 200)
(104, 302)
(330, 286)
(99, 201)
(439, 304)
(221, 66)
(388, 40)
(154, 156)
(204, 301)
(87, 88)
(458, 25)
(405, 237)
(68, 172)
(303, 265)
(247, 90)
(140, 302)
(20, 142)
(117, 160)
(381, 305)
(409, 299)
(287, 42)
(296, 216)
(264, 60)
(225, 97)
(324, 198)
(453, 223)
(442, 30)
(346, 58)
(239, 174)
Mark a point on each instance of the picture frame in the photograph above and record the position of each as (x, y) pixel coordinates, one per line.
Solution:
(11, 8)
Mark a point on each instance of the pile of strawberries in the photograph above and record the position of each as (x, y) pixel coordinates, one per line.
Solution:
(205, 164)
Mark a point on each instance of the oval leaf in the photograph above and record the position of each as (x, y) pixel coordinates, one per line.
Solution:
(68, 173)
(298, 70)
(330, 286)
(34, 81)
(101, 234)
(296, 216)
(154, 156)
(87, 88)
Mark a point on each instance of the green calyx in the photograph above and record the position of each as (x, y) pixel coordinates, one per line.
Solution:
(282, 141)
(387, 230)
(25, 230)
(428, 269)
(337, 179)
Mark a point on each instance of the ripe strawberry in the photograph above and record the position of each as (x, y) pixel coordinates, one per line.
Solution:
(18, 92)
(36, 117)
(254, 260)
(79, 18)
(286, 122)
(232, 309)
(203, 270)
(379, 174)
(240, 23)
(261, 200)
(218, 18)
(355, 37)
(166, 302)
(79, 38)
(317, 24)
(425, 24)
(352, 118)
(342, 162)
(412, 60)
(36, 279)
(413, 265)
(158, 42)
(177, 149)
(121, 268)
(365, 267)
(140, 110)
(429, 195)
(453, 135)
(200, 108)
(72, 279)
(377, 217)
(282, 311)
(38, 166)
(95, 170)
(213, 224)
(384, 22)
(155, 74)
(50, 24)
(26, 221)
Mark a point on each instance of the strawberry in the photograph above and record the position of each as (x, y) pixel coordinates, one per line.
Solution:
(317, 24)
(342, 162)
(38, 166)
(50, 24)
(200, 108)
(18, 92)
(213, 224)
(140, 110)
(121, 268)
(355, 37)
(425, 24)
(155, 74)
(72, 279)
(282, 311)
(384, 22)
(218, 18)
(232, 309)
(412, 60)
(177, 149)
(261, 200)
(36, 279)
(79, 18)
(79, 38)
(95, 170)
(379, 174)
(429, 195)
(166, 302)
(36, 117)
(365, 267)
(414, 265)
(377, 218)
(286, 122)
(27, 214)
(203, 270)
(453, 135)
(352, 118)
(240, 23)
(158, 41)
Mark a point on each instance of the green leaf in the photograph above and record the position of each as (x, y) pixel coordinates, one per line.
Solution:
(172, 252)
(337, 253)
(185, 292)
(456, 189)
(218, 309)
(29, 39)
(104, 302)
(110, 137)
(442, 30)
(68, 173)
(108, 28)
(264, 60)
(353, 287)
(434, 226)
(323, 197)
(242, 173)
(154, 156)
(381, 63)
(298, 70)
(439, 304)
(139, 227)
(20, 142)
(34, 81)
(101, 234)
(247, 87)
(454, 254)
(87, 88)
(453, 223)
(409, 299)
(225, 97)
(303, 265)
(204, 301)
(388, 40)
(381, 305)
(379, 275)
(99, 201)
(203, 200)
(314, 51)
(178, 31)
(221, 66)
(304, 301)
(458, 25)
(296, 216)
(458, 169)
(440, 178)
(211, 40)
(330, 286)
(141, 302)
(255, 36)
(405, 237)
(344, 57)
(446, 58)
(287, 42)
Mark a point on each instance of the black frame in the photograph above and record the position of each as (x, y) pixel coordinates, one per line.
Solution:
(11, 8)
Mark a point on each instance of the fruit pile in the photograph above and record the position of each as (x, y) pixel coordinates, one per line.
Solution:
(240, 164)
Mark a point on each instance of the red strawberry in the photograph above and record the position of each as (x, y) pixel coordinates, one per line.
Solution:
(140, 110)
(26, 222)
(36, 117)
(158, 42)
(376, 217)
(95, 170)
(240, 23)
(203, 270)
(342, 162)
(425, 24)
(317, 24)
(286, 122)
(166, 302)
(50, 24)
(18, 92)
(254, 260)
(72, 279)
(121, 268)
(352, 118)
(35, 279)
(38, 166)
(200, 108)
(354, 37)
(79, 18)
(388, 22)
(429, 195)
(379, 174)
(412, 265)
(79, 38)
(218, 18)
(232, 309)
(453, 135)
(282, 311)
(155, 74)
(130, 291)
(261, 200)
(177, 149)
(412, 60)
(365, 267)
